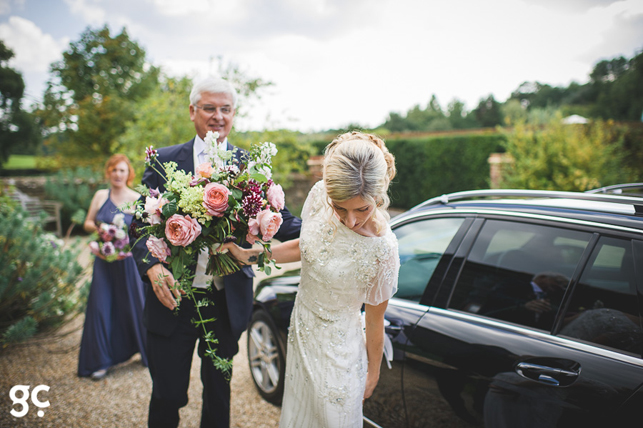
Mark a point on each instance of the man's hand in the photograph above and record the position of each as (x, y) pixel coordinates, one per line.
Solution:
(163, 285)
(538, 305)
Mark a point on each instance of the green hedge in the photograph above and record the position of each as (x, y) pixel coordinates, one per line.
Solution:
(433, 165)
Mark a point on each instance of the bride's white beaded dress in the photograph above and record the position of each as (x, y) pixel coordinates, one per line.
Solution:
(326, 359)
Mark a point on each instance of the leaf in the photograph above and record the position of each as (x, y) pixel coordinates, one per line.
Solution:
(237, 194)
(169, 209)
(258, 177)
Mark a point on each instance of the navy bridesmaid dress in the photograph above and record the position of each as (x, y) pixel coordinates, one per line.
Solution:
(113, 330)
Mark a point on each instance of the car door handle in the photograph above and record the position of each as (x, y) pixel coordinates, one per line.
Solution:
(545, 374)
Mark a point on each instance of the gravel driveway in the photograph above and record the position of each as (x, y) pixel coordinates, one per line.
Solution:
(121, 399)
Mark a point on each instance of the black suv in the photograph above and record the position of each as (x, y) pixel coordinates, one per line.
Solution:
(515, 308)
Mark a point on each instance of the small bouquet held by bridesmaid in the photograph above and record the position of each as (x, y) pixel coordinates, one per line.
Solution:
(111, 241)
(226, 200)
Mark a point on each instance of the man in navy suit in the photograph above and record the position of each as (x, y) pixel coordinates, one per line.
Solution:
(171, 336)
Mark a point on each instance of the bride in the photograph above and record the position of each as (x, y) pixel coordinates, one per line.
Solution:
(349, 259)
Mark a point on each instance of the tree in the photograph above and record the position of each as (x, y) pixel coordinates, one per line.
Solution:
(432, 118)
(488, 112)
(18, 131)
(565, 157)
(395, 122)
(161, 120)
(619, 87)
(458, 116)
(92, 93)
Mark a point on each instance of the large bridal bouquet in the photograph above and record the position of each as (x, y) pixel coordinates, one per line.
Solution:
(223, 201)
(111, 240)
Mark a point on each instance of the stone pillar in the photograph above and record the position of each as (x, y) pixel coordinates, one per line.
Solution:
(497, 163)
(315, 167)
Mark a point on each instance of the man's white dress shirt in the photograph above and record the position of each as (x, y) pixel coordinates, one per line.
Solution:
(201, 280)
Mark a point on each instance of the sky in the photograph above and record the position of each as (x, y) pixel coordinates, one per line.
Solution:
(340, 62)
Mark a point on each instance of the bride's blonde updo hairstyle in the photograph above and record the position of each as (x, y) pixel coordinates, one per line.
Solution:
(359, 164)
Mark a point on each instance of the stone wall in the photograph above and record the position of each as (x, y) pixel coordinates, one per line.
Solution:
(32, 186)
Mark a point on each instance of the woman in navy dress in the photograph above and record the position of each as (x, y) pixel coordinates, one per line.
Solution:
(113, 330)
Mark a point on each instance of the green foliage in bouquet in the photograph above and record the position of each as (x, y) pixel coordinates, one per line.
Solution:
(74, 188)
(38, 278)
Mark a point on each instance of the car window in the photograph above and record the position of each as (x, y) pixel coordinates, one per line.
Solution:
(519, 272)
(421, 245)
(603, 309)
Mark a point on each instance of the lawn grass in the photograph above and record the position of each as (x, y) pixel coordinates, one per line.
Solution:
(21, 162)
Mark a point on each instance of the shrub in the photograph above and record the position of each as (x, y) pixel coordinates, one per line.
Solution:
(38, 278)
(74, 188)
(565, 157)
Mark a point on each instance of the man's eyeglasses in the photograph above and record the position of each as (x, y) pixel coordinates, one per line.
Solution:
(212, 109)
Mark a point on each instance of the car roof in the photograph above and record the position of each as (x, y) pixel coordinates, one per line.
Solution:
(624, 211)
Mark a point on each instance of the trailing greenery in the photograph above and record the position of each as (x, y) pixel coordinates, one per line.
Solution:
(38, 277)
(569, 157)
(74, 188)
(432, 166)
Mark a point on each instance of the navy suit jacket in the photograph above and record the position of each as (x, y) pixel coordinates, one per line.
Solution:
(238, 286)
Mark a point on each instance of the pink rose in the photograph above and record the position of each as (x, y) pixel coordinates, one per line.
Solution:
(182, 231)
(253, 226)
(276, 197)
(158, 248)
(215, 199)
(94, 248)
(269, 223)
(153, 209)
(205, 170)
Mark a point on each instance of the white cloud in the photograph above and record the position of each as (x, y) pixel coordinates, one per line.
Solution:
(335, 62)
(199, 8)
(91, 13)
(34, 50)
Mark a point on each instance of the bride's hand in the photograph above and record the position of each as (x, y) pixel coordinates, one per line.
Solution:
(244, 256)
(371, 383)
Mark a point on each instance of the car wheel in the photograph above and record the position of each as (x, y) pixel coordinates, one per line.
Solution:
(267, 364)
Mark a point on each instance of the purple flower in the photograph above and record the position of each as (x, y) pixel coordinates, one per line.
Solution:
(253, 187)
(108, 249)
(198, 180)
(252, 204)
(121, 243)
(150, 155)
(133, 230)
(155, 193)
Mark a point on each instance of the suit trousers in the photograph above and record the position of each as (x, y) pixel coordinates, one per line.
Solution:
(170, 360)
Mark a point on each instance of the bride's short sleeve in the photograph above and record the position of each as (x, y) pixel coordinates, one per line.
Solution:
(384, 284)
(314, 201)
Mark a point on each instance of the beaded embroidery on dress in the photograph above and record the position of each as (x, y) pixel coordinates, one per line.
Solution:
(326, 359)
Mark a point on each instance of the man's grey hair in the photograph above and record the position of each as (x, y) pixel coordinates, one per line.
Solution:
(213, 85)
